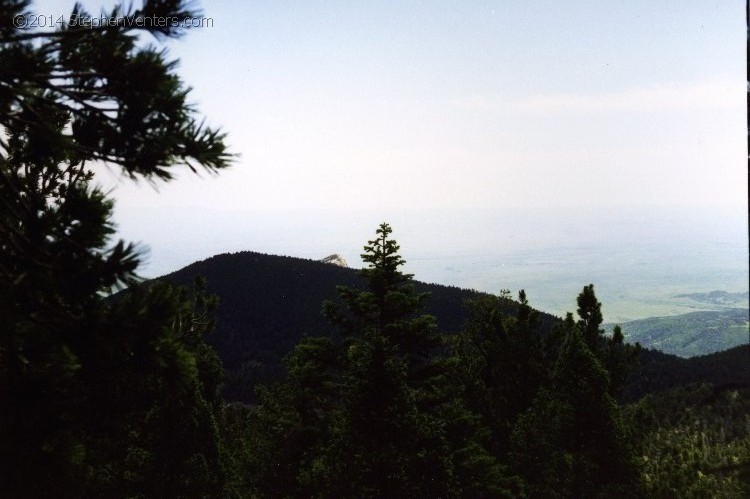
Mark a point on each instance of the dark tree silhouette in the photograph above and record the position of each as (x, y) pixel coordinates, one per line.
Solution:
(101, 397)
(120, 98)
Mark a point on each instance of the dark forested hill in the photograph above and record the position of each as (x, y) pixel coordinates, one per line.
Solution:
(658, 371)
(266, 303)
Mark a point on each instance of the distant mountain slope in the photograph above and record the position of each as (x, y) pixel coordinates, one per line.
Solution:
(267, 303)
(695, 333)
(659, 371)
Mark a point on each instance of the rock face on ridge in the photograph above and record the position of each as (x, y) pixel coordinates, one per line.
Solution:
(335, 259)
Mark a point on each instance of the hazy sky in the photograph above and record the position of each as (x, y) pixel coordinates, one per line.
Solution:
(370, 104)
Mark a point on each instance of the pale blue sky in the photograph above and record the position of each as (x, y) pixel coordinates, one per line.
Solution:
(391, 104)
(473, 103)
(348, 113)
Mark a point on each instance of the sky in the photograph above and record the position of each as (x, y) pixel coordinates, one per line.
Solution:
(447, 104)
(606, 137)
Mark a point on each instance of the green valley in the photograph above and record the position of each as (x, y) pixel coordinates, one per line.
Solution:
(695, 333)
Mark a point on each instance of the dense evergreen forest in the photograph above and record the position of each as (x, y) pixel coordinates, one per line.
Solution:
(286, 294)
(389, 389)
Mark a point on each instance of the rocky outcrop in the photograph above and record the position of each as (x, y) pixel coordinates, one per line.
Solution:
(335, 259)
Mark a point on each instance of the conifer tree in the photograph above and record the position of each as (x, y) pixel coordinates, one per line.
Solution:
(590, 313)
(617, 357)
(388, 306)
(122, 101)
(501, 361)
(101, 397)
(573, 443)
(372, 411)
(385, 439)
(290, 431)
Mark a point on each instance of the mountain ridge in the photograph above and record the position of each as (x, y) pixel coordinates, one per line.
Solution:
(268, 302)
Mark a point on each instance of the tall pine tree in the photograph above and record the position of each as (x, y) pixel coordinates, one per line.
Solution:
(373, 411)
(573, 442)
(100, 396)
(616, 356)
(385, 441)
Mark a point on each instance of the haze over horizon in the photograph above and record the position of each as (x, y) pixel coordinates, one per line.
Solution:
(473, 104)
(378, 110)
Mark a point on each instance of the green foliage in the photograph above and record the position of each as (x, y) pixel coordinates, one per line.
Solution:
(696, 333)
(656, 371)
(399, 431)
(121, 98)
(119, 395)
(618, 358)
(500, 362)
(694, 441)
(556, 413)
(547, 400)
(292, 424)
(101, 397)
(286, 294)
(590, 313)
(573, 443)
(501, 409)
(371, 412)
(387, 305)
